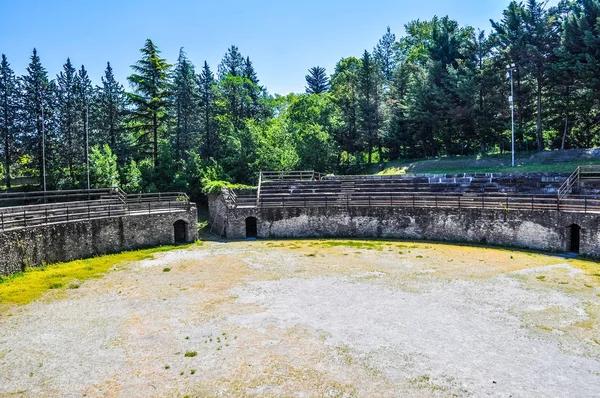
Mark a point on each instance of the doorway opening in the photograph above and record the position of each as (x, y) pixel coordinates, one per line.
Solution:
(574, 234)
(251, 228)
(180, 229)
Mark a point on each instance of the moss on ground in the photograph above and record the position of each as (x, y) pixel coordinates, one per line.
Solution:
(25, 287)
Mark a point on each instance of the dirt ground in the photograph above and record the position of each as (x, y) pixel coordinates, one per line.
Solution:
(312, 319)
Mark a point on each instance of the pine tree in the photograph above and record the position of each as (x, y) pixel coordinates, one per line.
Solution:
(184, 90)
(580, 43)
(37, 109)
(369, 103)
(110, 112)
(232, 63)
(317, 81)
(385, 55)
(206, 89)
(251, 109)
(529, 33)
(233, 87)
(150, 94)
(68, 116)
(510, 34)
(85, 103)
(8, 115)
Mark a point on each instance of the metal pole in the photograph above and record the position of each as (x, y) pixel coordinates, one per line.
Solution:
(87, 143)
(43, 150)
(512, 108)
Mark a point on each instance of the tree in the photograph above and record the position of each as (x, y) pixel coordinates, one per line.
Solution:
(38, 110)
(8, 115)
(528, 34)
(150, 95)
(184, 90)
(207, 89)
(312, 121)
(85, 102)
(68, 115)
(232, 63)
(132, 178)
(317, 81)
(252, 90)
(103, 167)
(576, 74)
(110, 107)
(369, 104)
(384, 54)
(345, 90)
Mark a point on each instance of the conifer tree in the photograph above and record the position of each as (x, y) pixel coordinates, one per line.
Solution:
(85, 104)
(150, 94)
(184, 90)
(68, 115)
(110, 112)
(317, 81)
(369, 104)
(232, 63)
(252, 90)
(581, 42)
(385, 55)
(206, 89)
(37, 109)
(9, 103)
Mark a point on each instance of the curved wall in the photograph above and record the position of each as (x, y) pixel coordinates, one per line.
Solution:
(34, 246)
(541, 230)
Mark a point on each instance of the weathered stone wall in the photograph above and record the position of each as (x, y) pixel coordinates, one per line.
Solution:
(543, 230)
(217, 212)
(81, 239)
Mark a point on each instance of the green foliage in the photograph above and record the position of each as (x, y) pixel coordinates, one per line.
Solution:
(150, 84)
(317, 81)
(439, 89)
(132, 178)
(215, 187)
(103, 167)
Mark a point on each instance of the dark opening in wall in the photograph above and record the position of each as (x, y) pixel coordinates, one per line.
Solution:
(251, 228)
(180, 229)
(574, 232)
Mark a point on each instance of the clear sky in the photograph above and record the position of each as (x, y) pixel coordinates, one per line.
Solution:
(282, 37)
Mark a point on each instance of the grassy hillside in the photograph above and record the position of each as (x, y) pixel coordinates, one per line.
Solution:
(545, 162)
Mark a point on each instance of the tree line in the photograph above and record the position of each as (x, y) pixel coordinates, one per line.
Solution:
(440, 89)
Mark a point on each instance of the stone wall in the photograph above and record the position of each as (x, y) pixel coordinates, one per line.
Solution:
(31, 247)
(543, 230)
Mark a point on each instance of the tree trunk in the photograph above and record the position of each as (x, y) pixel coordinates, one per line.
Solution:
(564, 138)
(207, 125)
(6, 145)
(40, 148)
(178, 135)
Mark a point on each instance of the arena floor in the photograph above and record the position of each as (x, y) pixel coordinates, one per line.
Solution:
(314, 318)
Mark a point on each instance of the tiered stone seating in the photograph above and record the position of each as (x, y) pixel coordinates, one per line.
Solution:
(345, 187)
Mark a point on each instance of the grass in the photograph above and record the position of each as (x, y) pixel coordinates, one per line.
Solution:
(480, 164)
(25, 287)
(190, 354)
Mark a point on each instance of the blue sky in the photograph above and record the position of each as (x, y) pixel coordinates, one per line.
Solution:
(283, 38)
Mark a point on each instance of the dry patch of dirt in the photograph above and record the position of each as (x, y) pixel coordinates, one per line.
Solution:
(314, 318)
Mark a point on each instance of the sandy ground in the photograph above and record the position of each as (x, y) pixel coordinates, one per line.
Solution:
(309, 318)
